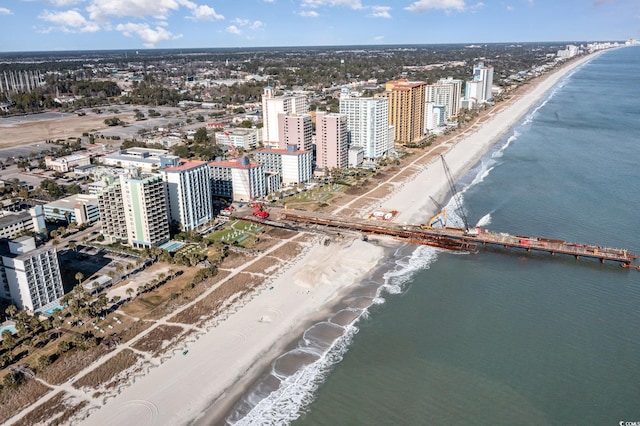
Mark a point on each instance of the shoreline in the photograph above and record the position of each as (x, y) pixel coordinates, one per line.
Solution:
(230, 356)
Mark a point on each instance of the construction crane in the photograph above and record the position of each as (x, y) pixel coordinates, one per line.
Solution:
(456, 197)
(231, 147)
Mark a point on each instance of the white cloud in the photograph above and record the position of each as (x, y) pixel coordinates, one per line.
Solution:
(380, 12)
(511, 8)
(309, 14)
(206, 13)
(68, 21)
(149, 35)
(100, 10)
(476, 6)
(255, 25)
(426, 5)
(5, 11)
(378, 38)
(234, 30)
(353, 4)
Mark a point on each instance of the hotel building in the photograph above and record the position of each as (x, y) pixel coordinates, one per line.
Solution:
(188, 184)
(134, 209)
(368, 124)
(29, 276)
(239, 180)
(406, 109)
(291, 164)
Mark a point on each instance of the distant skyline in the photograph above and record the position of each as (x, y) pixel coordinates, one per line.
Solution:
(43, 25)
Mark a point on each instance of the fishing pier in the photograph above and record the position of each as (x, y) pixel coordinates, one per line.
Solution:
(457, 239)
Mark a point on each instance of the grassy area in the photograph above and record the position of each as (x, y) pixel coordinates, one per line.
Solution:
(71, 364)
(212, 305)
(108, 373)
(313, 198)
(57, 411)
(156, 340)
(14, 400)
(239, 233)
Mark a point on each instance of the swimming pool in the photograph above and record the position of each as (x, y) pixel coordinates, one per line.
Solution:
(11, 328)
(172, 245)
(52, 309)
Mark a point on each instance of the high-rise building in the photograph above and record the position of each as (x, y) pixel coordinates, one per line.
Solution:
(295, 130)
(479, 89)
(188, 185)
(134, 209)
(239, 180)
(448, 93)
(406, 109)
(29, 276)
(13, 223)
(434, 116)
(332, 141)
(292, 164)
(368, 124)
(273, 105)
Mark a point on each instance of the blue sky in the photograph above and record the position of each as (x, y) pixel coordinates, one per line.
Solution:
(41, 25)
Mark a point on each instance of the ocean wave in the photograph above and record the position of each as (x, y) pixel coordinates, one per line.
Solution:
(281, 396)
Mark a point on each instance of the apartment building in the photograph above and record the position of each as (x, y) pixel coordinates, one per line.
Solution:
(294, 129)
(292, 164)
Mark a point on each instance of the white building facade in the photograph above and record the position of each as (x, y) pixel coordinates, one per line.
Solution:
(29, 276)
(188, 186)
(368, 124)
(239, 180)
(272, 106)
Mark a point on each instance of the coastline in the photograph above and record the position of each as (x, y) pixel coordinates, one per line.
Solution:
(225, 359)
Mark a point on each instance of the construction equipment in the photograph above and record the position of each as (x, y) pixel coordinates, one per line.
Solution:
(440, 217)
(457, 197)
(259, 210)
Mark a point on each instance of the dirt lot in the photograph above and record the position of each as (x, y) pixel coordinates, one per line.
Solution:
(58, 128)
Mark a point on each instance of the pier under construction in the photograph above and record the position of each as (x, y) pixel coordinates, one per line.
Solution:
(457, 239)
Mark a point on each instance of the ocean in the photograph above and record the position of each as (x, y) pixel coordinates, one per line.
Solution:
(496, 337)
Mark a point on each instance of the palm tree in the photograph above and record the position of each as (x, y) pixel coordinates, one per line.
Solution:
(129, 292)
(11, 311)
(73, 246)
(79, 277)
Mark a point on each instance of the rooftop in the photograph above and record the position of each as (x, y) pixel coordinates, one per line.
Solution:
(184, 165)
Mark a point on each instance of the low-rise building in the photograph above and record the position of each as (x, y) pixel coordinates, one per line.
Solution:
(13, 223)
(67, 163)
(78, 208)
(145, 159)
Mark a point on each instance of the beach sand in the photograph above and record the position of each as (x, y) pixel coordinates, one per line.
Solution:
(224, 360)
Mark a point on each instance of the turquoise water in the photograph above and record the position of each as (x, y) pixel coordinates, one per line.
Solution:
(51, 310)
(497, 338)
(11, 328)
(172, 246)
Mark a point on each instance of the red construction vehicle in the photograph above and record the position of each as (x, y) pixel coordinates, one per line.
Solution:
(259, 210)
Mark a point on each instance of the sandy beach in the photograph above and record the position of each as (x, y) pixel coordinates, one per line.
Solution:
(224, 357)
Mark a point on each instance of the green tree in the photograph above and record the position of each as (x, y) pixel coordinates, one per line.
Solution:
(79, 276)
(11, 311)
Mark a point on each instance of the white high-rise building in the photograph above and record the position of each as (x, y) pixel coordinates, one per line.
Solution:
(239, 180)
(188, 185)
(29, 276)
(368, 124)
(479, 89)
(434, 116)
(272, 106)
(448, 93)
(292, 164)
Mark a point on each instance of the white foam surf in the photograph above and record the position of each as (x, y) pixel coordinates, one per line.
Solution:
(265, 406)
